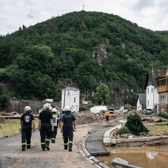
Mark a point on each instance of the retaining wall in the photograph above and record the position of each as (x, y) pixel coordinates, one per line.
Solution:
(139, 142)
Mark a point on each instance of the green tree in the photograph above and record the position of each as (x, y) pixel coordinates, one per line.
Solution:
(102, 94)
(132, 99)
(30, 73)
(4, 98)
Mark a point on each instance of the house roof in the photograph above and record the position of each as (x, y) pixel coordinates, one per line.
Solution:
(70, 88)
(142, 98)
(152, 75)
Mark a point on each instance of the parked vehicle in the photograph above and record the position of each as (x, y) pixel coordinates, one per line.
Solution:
(125, 111)
(101, 112)
(111, 112)
(148, 111)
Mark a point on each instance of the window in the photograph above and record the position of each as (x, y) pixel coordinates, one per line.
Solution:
(148, 102)
(148, 90)
(151, 90)
(162, 99)
(68, 93)
(74, 99)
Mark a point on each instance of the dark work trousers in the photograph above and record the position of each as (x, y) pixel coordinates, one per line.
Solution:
(26, 136)
(68, 134)
(45, 131)
(107, 118)
(53, 134)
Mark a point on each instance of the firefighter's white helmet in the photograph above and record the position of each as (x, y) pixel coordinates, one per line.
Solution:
(27, 108)
(54, 110)
(46, 106)
(50, 107)
(67, 108)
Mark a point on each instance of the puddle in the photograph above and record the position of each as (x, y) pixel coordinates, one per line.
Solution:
(144, 157)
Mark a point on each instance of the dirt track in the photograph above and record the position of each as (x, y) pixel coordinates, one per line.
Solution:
(12, 156)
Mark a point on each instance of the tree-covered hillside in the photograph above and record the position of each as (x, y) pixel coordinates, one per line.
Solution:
(88, 47)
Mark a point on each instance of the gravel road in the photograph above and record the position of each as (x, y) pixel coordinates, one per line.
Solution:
(11, 155)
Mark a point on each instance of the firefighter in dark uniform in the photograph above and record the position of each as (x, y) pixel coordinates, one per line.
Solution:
(45, 125)
(26, 122)
(68, 125)
(55, 116)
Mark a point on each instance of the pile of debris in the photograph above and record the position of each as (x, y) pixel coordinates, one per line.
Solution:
(86, 117)
(144, 117)
(2, 119)
(14, 113)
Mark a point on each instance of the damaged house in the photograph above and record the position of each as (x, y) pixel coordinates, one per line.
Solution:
(152, 96)
(162, 88)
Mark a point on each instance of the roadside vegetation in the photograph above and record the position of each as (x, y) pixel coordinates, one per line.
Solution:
(154, 129)
(162, 114)
(123, 130)
(133, 125)
(158, 129)
(11, 127)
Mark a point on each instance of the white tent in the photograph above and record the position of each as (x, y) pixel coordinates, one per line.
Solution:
(97, 109)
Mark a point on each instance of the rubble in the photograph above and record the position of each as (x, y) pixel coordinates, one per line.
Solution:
(86, 117)
(2, 119)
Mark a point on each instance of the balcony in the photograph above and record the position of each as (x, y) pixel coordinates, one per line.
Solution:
(162, 89)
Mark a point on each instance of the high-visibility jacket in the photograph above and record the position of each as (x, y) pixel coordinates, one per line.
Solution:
(107, 113)
(55, 118)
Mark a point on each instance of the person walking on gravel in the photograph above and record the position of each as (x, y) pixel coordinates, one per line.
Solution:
(26, 122)
(55, 116)
(68, 125)
(45, 125)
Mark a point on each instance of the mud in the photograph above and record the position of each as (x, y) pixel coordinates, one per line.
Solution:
(145, 157)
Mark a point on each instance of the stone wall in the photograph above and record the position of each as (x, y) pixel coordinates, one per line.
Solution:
(35, 105)
(19, 105)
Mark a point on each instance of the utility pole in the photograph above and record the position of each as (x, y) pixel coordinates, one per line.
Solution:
(83, 7)
(64, 97)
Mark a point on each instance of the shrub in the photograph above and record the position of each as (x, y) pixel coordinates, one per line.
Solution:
(134, 125)
(89, 106)
(162, 114)
(123, 130)
(144, 106)
(133, 107)
(127, 107)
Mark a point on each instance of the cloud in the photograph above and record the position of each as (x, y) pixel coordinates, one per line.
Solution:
(150, 14)
(141, 4)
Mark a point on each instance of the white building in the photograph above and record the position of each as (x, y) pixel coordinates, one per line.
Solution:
(70, 97)
(152, 97)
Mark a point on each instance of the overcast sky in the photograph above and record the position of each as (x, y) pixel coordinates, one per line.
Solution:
(150, 14)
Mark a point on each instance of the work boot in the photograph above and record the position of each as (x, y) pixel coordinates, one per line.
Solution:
(23, 149)
(65, 147)
(53, 141)
(70, 149)
(47, 147)
(28, 147)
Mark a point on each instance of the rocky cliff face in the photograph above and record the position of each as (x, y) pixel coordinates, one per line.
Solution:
(101, 53)
(118, 93)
